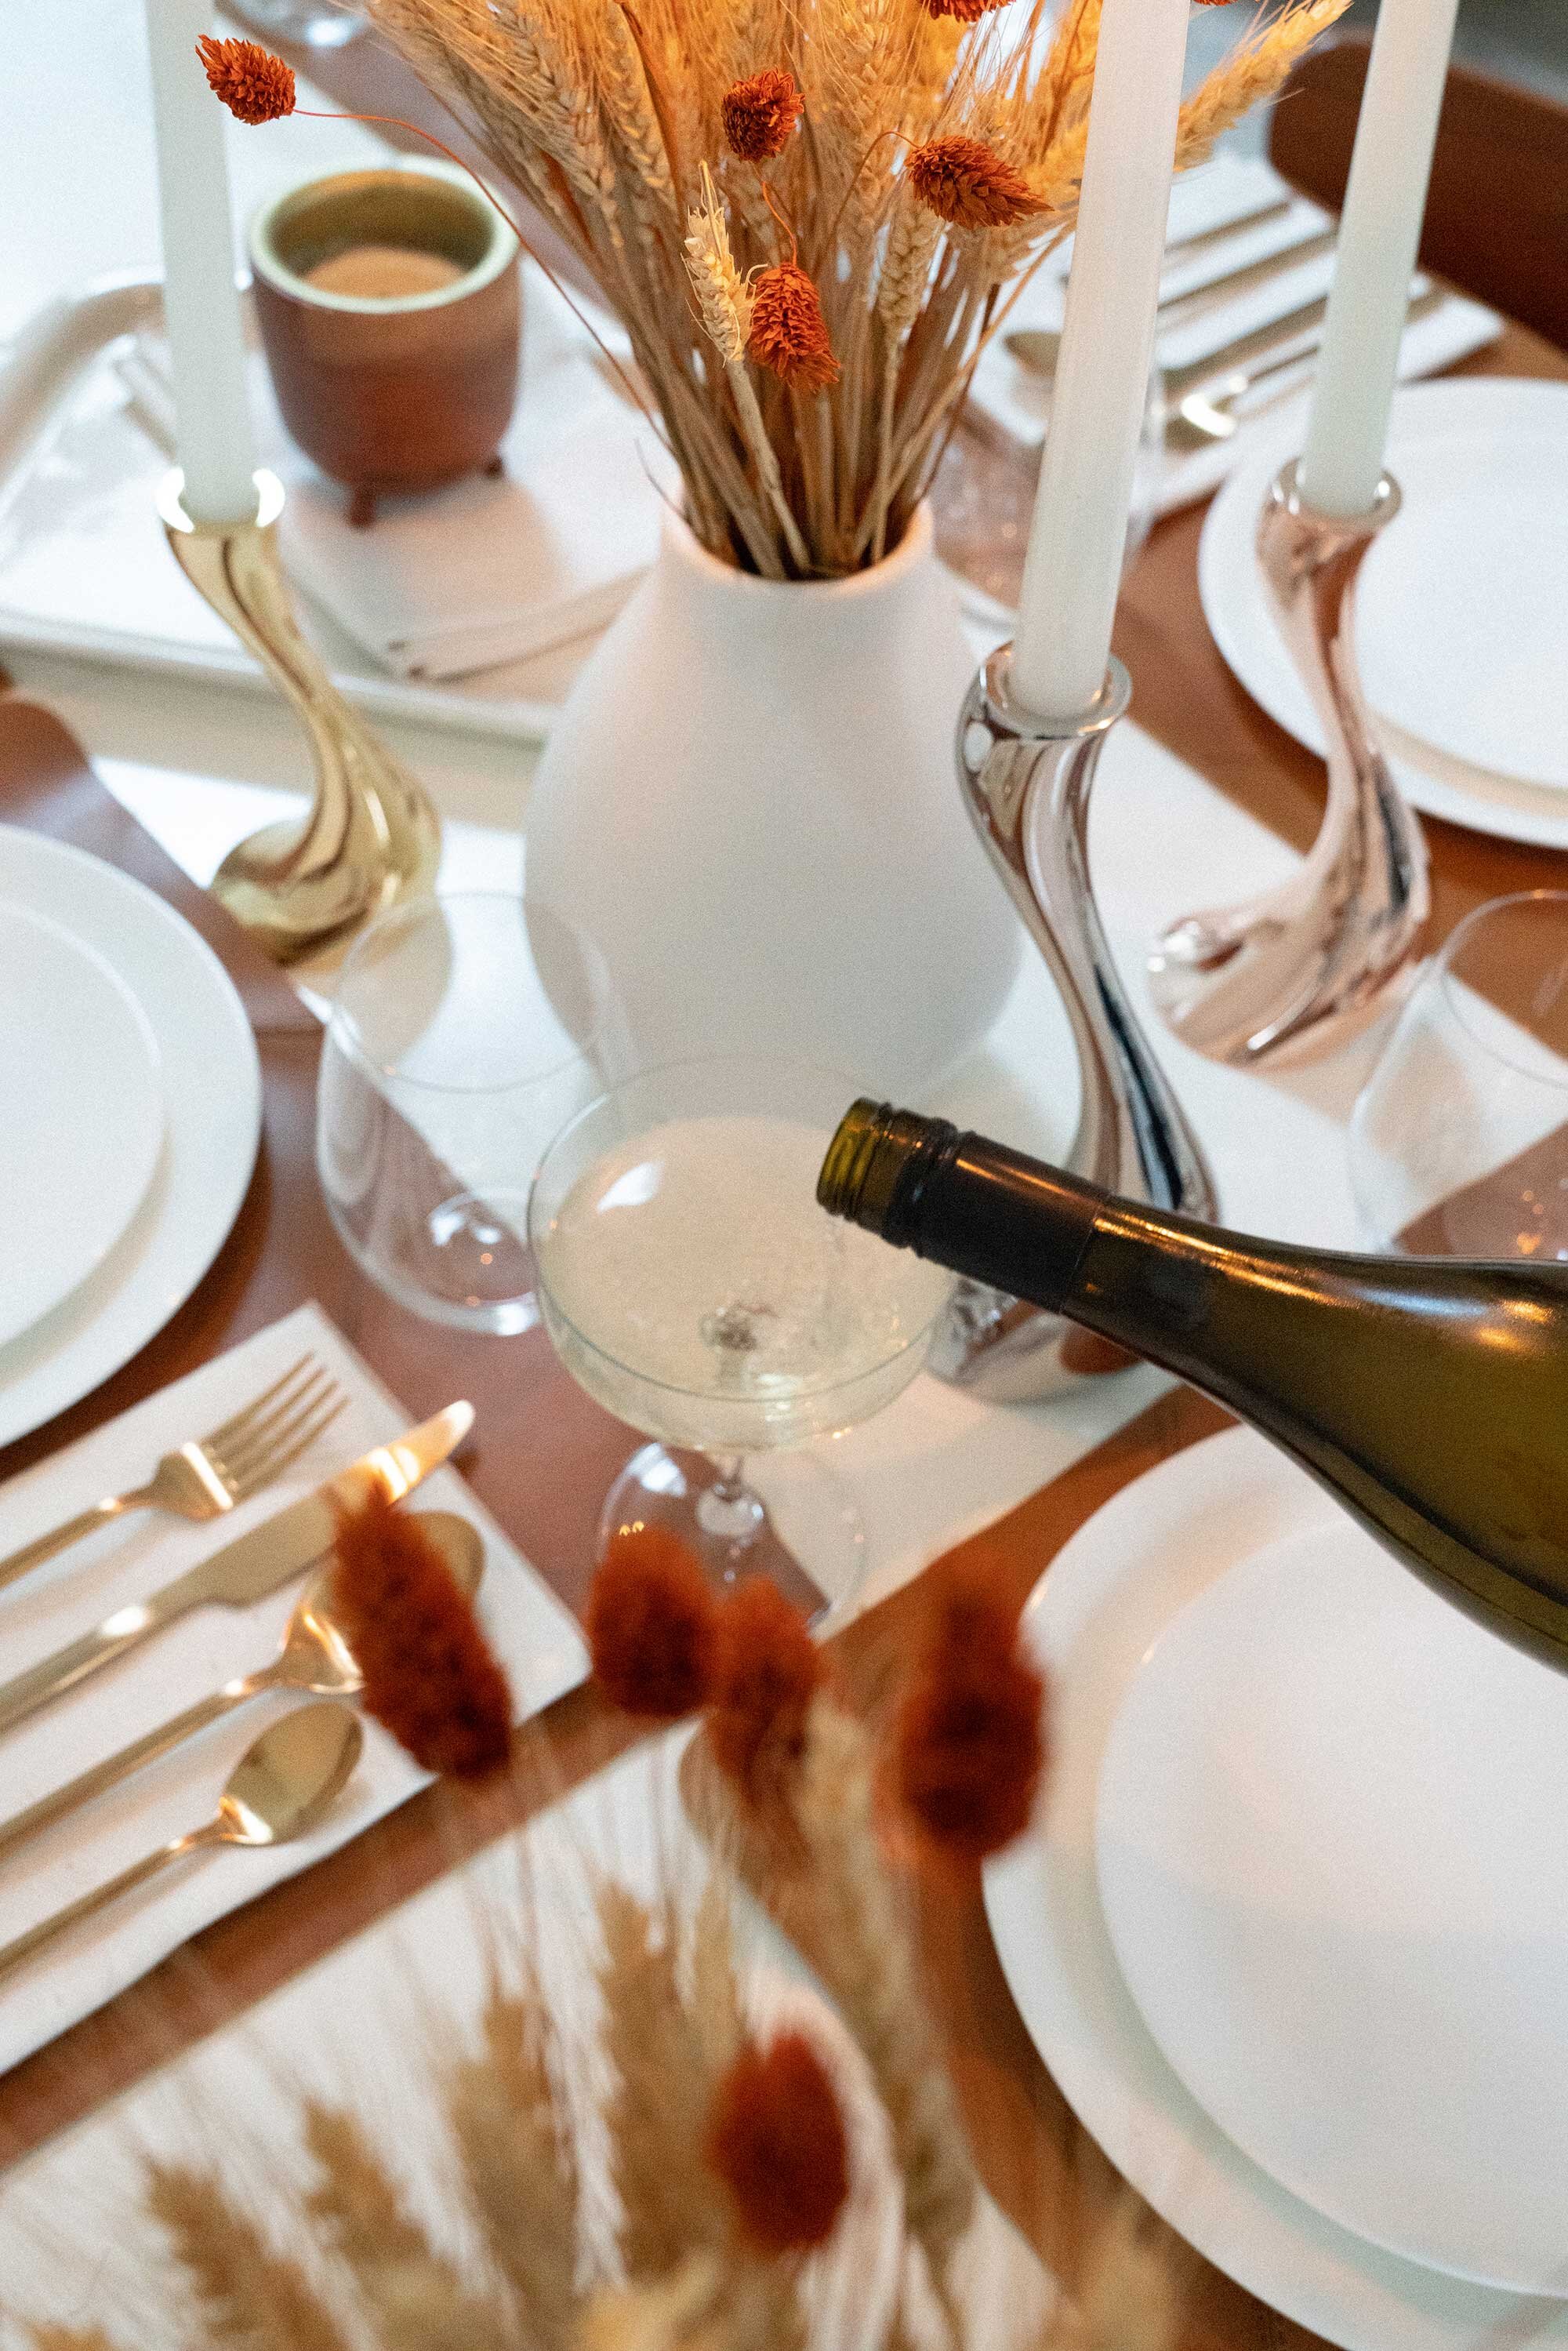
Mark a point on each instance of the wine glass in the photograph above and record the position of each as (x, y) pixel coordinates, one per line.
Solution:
(1459, 1139)
(692, 1285)
(464, 1032)
(319, 24)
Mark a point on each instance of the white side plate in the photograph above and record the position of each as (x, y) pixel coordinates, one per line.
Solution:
(1108, 1596)
(213, 1093)
(82, 1114)
(1397, 629)
(1333, 1860)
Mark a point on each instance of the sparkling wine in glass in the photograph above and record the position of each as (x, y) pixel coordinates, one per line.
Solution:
(691, 1284)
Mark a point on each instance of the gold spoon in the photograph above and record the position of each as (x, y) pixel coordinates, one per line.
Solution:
(280, 1787)
(315, 1659)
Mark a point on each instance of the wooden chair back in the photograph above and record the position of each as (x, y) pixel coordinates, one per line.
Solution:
(1497, 218)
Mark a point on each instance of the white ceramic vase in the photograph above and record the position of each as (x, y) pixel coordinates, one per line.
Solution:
(750, 805)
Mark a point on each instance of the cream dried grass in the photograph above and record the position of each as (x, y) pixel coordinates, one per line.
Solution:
(247, 2294)
(655, 2105)
(518, 2160)
(418, 2297)
(864, 1940)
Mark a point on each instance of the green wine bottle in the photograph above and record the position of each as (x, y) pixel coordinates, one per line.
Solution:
(1428, 1394)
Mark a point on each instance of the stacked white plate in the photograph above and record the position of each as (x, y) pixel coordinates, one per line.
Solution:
(1462, 607)
(1293, 1933)
(130, 1113)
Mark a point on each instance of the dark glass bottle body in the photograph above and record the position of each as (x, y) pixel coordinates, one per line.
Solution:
(1431, 1396)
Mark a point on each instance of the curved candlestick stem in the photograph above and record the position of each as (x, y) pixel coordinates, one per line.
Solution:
(1299, 971)
(370, 836)
(1026, 783)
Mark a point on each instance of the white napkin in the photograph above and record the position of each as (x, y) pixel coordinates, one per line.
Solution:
(485, 571)
(533, 1634)
(1009, 403)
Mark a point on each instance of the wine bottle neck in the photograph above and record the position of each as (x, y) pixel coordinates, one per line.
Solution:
(973, 1206)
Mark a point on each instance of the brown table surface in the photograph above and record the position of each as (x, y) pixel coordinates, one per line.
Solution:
(546, 1455)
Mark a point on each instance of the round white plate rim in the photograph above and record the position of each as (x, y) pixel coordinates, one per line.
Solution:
(1242, 627)
(213, 1103)
(1298, 1573)
(140, 1114)
(1111, 1589)
(1501, 490)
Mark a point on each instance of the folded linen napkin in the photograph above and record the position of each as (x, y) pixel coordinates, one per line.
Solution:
(485, 571)
(535, 1637)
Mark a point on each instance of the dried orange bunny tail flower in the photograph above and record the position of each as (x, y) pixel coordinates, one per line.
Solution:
(776, 2138)
(650, 1623)
(966, 182)
(430, 1677)
(254, 85)
(760, 114)
(767, 1670)
(967, 1749)
(789, 333)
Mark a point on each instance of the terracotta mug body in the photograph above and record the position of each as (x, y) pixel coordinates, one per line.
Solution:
(392, 392)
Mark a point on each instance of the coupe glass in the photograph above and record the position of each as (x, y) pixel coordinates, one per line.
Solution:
(464, 1030)
(692, 1285)
(320, 23)
(1460, 1140)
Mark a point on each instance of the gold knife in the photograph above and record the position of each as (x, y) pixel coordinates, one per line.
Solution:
(248, 1568)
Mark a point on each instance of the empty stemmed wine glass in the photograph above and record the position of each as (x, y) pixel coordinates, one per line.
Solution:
(320, 23)
(1459, 1141)
(465, 1029)
(692, 1285)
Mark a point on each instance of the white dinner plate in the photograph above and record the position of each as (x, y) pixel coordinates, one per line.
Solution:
(1333, 1855)
(82, 1114)
(212, 1082)
(1108, 1596)
(1464, 662)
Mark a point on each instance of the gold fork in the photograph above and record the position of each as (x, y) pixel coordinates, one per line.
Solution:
(212, 1473)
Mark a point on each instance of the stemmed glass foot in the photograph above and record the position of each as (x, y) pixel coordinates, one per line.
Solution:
(760, 1516)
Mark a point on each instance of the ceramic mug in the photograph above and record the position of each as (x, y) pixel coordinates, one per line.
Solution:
(388, 303)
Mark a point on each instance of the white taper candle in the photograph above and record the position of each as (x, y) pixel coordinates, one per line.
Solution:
(1379, 237)
(1073, 566)
(206, 344)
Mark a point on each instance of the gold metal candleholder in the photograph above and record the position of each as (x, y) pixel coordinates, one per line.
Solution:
(370, 835)
(1298, 972)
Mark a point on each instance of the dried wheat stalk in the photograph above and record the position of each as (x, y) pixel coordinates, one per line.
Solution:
(609, 116)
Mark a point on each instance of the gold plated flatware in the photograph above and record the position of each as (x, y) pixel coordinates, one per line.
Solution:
(207, 1477)
(248, 1568)
(1213, 291)
(281, 1788)
(1284, 339)
(1199, 240)
(314, 1661)
(1205, 412)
